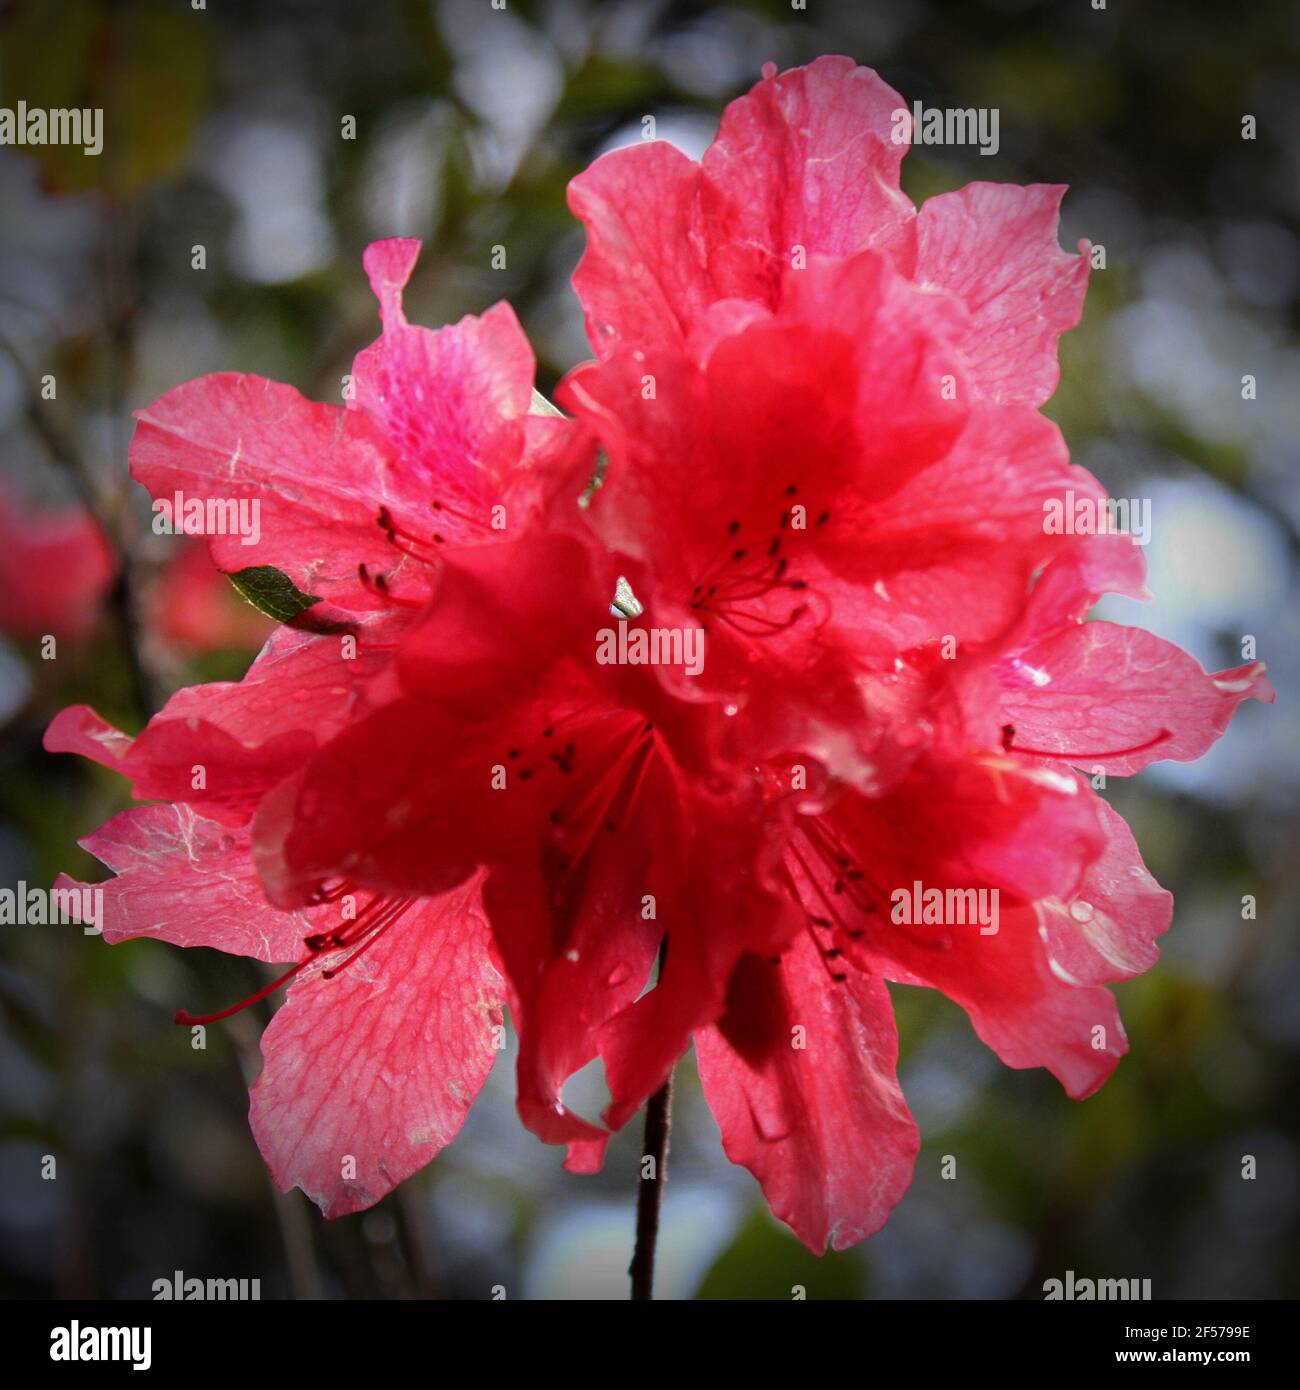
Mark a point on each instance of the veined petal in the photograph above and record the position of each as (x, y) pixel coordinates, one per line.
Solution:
(805, 164)
(189, 881)
(800, 1075)
(994, 246)
(318, 474)
(369, 1074)
(1120, 698)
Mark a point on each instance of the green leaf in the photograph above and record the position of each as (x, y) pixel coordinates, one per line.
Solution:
(272, 592)
(765, 1261)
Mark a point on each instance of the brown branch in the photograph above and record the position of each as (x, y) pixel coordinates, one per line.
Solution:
(658, 1125)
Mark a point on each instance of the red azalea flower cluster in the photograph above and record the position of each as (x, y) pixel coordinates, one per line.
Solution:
(56, 568)
(856, 670)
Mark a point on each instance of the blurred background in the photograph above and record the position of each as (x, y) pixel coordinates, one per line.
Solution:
(226, 133)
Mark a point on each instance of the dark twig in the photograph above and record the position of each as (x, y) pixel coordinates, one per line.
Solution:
(119, 329)
(658, 1125)
(43, 425)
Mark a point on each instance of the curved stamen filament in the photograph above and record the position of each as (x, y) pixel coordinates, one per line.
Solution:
(592, 809)
(416, 547)
(1073, 754)
(377, 928)
(189, 1019)
(371, 922)
(740, 574)
(468, 518)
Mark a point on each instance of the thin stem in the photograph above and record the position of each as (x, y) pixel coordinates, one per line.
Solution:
(658, 1125)
(119, 330)
(126, 612)
(121, 600)
(51, 436)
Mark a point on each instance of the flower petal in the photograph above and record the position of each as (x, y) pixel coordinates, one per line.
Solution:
(808, 158)
(1109, 931)
(508, 747)
(1097, 689)
(982, 827)
(453, 404)
(78, 729)
(800, 1075)
(221, 747)
(369, 1074)
(994, 246)
(318, 473)
(803, 165)
(643, 279)
(718, 904)
(952, 551)
(1017, 1002)
(191, 882)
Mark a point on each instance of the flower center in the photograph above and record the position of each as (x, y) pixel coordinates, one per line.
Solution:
(737, 585)
(839, 899)
(422, 549)
(599, 763)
